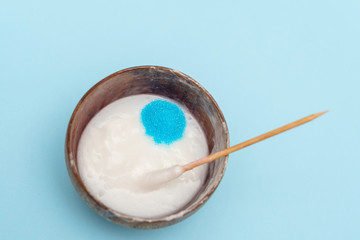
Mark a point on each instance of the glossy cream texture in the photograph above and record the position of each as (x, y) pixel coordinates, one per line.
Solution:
(115, 154)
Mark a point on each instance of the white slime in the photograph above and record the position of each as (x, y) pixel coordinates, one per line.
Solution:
(116, 157)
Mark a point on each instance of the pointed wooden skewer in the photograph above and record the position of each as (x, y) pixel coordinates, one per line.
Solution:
(156, 178)
(249, 142)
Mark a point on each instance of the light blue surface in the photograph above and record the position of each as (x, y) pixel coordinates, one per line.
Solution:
(265, 62)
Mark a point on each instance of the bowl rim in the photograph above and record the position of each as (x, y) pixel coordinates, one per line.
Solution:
(162, 221)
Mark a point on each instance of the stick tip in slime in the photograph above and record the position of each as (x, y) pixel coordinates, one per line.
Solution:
(154, 179)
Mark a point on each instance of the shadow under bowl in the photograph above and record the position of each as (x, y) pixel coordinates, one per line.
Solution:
(150, 80)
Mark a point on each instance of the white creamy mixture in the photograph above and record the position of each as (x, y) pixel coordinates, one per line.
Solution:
(115, 154)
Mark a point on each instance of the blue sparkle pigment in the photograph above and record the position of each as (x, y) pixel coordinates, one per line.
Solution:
(164, 121)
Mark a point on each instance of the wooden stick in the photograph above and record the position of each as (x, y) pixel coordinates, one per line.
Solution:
(249, 142)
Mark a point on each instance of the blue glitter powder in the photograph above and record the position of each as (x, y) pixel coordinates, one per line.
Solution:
(164, 121)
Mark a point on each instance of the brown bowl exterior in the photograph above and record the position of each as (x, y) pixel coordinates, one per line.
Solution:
(150, 80)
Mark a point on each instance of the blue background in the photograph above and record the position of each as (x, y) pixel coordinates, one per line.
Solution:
(265, 62)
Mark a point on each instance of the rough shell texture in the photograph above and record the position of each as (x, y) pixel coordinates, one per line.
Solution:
(150, 80)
